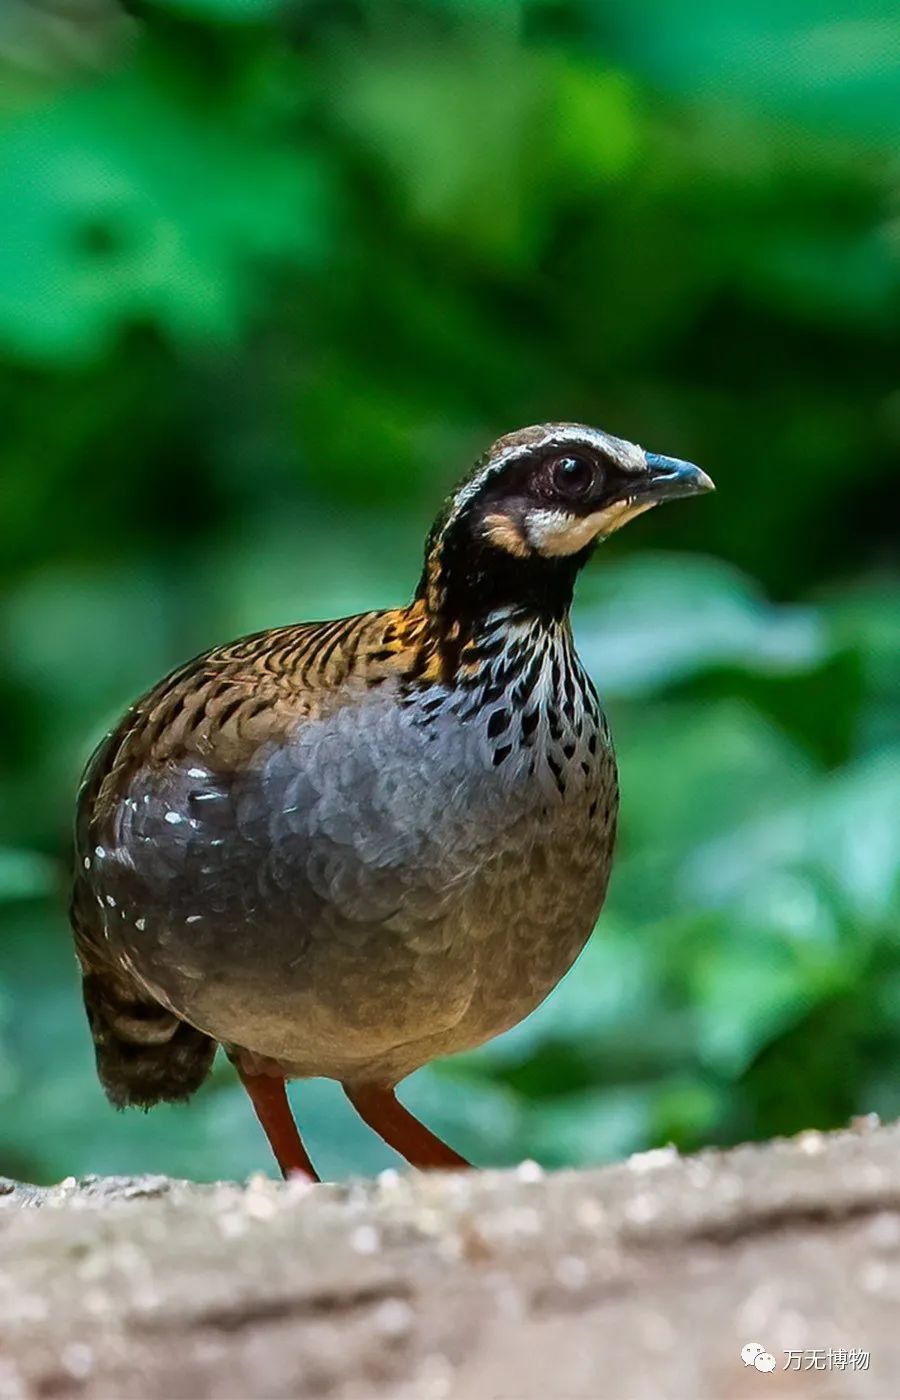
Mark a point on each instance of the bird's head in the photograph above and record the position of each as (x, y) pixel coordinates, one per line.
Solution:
(521, 524)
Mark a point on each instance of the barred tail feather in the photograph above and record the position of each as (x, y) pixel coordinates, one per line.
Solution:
(145, 1055)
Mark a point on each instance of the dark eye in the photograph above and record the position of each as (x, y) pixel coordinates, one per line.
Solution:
(572, 476)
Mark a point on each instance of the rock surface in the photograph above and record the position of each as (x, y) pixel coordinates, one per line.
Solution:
(636, 1281)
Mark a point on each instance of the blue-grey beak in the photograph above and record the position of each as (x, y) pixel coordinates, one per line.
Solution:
(668, 478)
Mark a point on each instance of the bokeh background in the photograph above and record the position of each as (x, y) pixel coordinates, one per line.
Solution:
(271, 275)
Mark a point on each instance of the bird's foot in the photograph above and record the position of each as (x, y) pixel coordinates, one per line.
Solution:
(269, 1097)
(378, 1106)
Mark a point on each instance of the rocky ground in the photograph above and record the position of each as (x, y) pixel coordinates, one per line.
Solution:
(636, 1282)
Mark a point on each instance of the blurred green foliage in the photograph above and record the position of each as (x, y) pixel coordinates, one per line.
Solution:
(270, 275)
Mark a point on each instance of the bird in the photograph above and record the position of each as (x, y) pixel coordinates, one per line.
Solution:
(347, 848)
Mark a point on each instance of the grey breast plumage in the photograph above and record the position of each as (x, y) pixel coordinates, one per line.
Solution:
(402, 874)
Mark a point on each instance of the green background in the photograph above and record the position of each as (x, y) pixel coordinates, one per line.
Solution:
(271, 275)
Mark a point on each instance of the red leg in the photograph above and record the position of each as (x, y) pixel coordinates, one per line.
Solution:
(269, 1098)
(378, 1107)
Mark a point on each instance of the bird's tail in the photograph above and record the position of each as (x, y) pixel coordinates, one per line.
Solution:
(145, 1055)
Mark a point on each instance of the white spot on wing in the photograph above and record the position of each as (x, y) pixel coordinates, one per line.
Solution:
(173, 818)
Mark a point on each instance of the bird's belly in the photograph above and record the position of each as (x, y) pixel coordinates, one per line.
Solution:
(459, 960)
(352, 921)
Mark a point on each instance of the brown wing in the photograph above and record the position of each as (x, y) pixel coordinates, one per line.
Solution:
(217, 710)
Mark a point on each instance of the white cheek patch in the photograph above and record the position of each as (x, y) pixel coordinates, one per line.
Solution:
(554, 532)
(558, 532)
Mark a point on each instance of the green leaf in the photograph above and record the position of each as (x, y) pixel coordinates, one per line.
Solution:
(753, 990)
(583, 1129)
(814, 59)
(26, 875)
(646, 622)
(222, 11)
(844, 834)
(106, 224)
(544, 132)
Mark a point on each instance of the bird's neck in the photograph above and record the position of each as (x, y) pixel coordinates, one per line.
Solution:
(482, 633)
(466, 585)
(519, 676)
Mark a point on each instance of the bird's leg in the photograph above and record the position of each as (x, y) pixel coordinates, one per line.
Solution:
(377, 1106)
(269, 1098)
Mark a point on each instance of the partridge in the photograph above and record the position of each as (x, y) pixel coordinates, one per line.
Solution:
(347, 848)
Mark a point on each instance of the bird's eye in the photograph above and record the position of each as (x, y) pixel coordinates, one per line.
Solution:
(572, 476)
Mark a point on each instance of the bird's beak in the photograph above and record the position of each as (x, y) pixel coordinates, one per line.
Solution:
(667, 478)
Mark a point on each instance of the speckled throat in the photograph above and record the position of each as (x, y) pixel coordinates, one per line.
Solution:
(520, 676)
